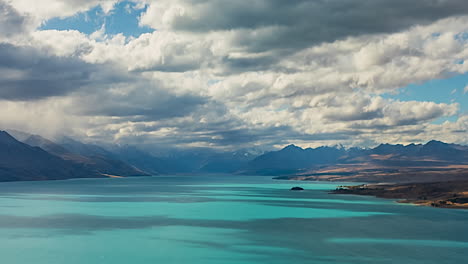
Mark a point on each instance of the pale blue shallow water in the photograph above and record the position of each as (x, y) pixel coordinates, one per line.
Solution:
(218, 219)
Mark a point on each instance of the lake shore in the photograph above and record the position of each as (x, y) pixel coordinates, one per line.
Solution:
(451, 194)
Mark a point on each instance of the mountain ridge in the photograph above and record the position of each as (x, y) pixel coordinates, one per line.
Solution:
(387, 161)
(104, 164)
(321, 163)
(19, 161)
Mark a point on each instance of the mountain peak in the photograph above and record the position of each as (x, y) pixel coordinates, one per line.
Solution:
(292, 147)
(436, 143)
(6, 138)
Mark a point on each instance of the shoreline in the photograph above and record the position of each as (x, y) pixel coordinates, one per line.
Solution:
(452, 194)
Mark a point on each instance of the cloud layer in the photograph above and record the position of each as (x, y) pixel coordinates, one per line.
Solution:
(267, 24)
(229, 75)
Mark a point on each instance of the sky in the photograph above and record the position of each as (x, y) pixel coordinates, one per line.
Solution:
(227, 75)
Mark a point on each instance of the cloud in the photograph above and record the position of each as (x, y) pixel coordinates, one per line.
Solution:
(77, 98)
(42, 10)
(234, 74)
(327, 93)
(29, 74)
(266, 24)
(136, 99)
(159, 51)
(12, 23)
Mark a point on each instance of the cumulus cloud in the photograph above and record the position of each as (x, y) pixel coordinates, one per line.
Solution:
(298, 23)
(232, 74)
(45, 117)
(159, 51)
(42, 10)
(137, 99)
(12, 23)
(28, 74)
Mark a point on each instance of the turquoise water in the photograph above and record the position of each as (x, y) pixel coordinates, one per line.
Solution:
(218, 219)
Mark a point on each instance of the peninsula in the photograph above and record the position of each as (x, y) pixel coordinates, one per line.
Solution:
(452, 194)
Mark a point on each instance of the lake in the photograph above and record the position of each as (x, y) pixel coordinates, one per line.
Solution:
(218, 219)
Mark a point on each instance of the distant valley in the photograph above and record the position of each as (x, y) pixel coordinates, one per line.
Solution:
(27, 157)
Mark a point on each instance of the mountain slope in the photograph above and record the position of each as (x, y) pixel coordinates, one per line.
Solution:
(141, 159)
(94, 160)
(52, 147)
(292, 159)
(21, 162)
(434, 161)
(87, 150)
(434, 153)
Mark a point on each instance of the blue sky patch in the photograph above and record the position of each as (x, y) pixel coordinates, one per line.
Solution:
(450, 90)
(122, 19)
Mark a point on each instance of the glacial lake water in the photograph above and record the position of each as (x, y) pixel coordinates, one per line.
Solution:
(217, 220)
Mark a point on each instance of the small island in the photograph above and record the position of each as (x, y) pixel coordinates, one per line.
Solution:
(297, 189)
(450, 194)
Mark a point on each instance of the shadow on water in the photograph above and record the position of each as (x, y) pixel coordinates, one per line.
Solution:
(397, 234)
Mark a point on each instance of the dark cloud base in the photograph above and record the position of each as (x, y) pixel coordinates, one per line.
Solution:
(300, 23)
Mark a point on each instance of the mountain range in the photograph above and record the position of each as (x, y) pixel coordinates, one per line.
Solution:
(434, 161)
(69, 158)
(25, 156)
